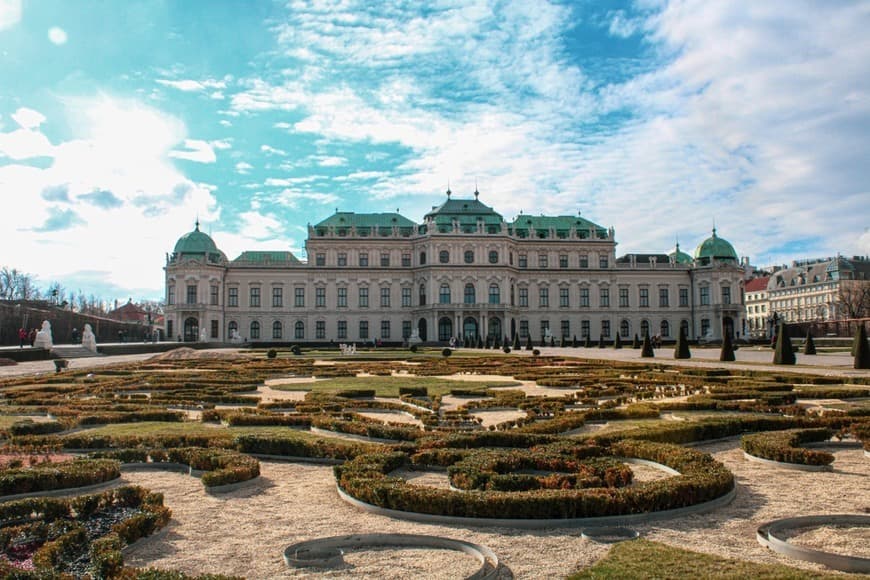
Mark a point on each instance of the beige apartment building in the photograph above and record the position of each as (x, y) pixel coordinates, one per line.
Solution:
(462, 271)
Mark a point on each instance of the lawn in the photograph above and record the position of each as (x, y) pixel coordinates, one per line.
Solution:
(389, 386)
(643, 559)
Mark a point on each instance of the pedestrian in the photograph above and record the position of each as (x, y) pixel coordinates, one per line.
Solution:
(22, 336)
(75, 335)
(32, 336)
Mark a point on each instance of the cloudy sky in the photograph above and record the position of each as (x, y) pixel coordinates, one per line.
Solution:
(121, 122)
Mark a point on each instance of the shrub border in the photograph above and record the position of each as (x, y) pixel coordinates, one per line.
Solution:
(767, 535)
(792, 466)
(328, 551)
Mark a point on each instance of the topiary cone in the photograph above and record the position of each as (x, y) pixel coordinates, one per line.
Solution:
(784, 354)
(517, 341)
(587, 342)
(574, 342)
(727, 352)
(809, 345)
(681, 351)
(617, 342)
(601, 341)
(562, 342)
(646, 349)
(862, 349)
(529, 345)
(636, 342)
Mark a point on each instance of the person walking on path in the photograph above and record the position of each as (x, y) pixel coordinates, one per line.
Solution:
(22, 336)
(32, 336)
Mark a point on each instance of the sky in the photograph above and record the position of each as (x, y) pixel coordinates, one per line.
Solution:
(122, 123)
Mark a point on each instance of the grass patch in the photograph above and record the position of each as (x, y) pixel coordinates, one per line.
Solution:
(643, 559)
(389, 386)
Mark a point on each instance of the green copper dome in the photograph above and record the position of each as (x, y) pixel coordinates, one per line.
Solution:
(715, 248)
(680, 257)
(195, 242)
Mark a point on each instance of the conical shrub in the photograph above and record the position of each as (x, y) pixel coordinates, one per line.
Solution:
(862, 349)
(617, 342)
(727, 352)
(529, 345)
(587, 342)
(552, 340)
(574, 342)
(809, 344)
(681, 351)
(601, 341)
(479, 342)
(646, 349)
(517, 341)
(562, 342)
(635, 344)
(784, 354)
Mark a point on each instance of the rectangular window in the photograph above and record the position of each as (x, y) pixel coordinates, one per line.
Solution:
(342, 297)
(255, 330)
(213, 296)
(563, 298)
(320, 329)
(255, 298)
(385, 259)
(363, 259)
(277, 297)
(684, 297)
(232, 297)
(563, 260)
(584, 297)
(664, 298)
(299, 297)
(298, 331)
(191, 294)
(342, 259)
(363, 329)
(406, 329)
(644, 297)
(170, 295)
(406, 260)
(363, 297)
(566, 328)
(605, 328)
(214, 328)
(623, 297)
(524, 329)
(604, 297)
(320, 297)
(406, 297)
(726, 294)
(584, 328)
(545, 328)
(602, 261)
(320, 259)
(523, 261)
(705, 295)
(544, 297)
(524, 296)
(385, 329)
(342, 329)
(543, 261)
(385, 297)
(705, 326)
(584, 261)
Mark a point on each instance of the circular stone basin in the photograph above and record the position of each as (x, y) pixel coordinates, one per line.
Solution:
(329, 552)
(609, 535)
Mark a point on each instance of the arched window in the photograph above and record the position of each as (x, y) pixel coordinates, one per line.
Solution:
(422, 295)
(445, 328)
(494, 294)
(469, 297)
(232, 328)
(444, 294)
(422, 258)
(624, 329)
(665, 328)
(493, 257)
(644, 327)
(443, 256)
(300, 330)
(469, 256)
(277, 330)
(255, 330)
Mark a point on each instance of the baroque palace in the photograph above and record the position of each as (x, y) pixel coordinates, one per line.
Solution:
(463, 271)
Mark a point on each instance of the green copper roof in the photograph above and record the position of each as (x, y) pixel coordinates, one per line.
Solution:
(365, 220)
(195, 242)
(459, 208)
(715, 248)
(680, 257)
(258, 257)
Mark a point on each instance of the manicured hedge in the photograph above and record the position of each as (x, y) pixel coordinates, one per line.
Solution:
(221, 466)
(367, 428)
(63, 475)
(251, 419)
(296, 447)
(30, 427)
(702, 479)
(134, 417)
(785, 446)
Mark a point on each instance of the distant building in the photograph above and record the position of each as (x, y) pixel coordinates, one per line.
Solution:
(463, 271)
(757, 305)
(129, 312)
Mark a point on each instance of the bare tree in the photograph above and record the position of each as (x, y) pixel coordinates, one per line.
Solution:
(853, 297)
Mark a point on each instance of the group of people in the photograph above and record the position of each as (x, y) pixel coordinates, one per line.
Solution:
(27, 337)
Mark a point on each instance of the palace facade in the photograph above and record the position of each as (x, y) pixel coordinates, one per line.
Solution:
(463, 271)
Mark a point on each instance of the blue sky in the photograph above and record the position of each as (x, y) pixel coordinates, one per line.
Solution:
(121, 122)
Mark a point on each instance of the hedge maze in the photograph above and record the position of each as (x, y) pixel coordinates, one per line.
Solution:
(563, 455)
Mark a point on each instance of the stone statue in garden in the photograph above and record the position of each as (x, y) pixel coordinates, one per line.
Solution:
(43, 337)
(203, 335)
(89, 341)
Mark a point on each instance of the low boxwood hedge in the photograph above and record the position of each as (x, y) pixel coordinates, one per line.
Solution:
(63, 475)
(297, 447)
(356, 425)
(30, 427)
(785, 446)
(251, 419)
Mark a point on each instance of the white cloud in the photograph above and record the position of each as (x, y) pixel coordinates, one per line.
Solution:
(221, 144)
(291, 198)
(243, 168)
(622, 26)
(330, 161)
(269, 150)
(25, 144)
(28, 118)
(287, 181)
(57, 35)
(192, 86)
(225, 123)
(195, 150)
(10, 13)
